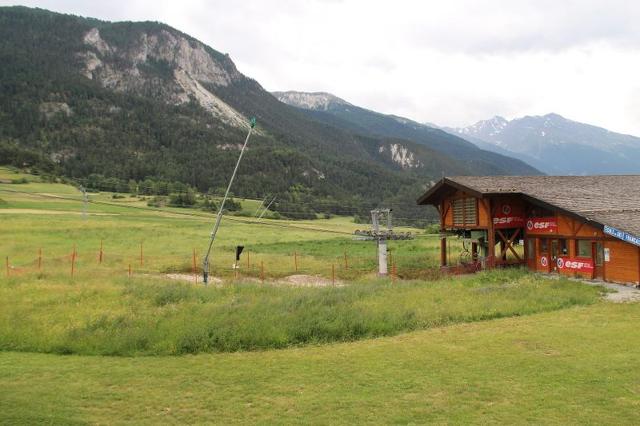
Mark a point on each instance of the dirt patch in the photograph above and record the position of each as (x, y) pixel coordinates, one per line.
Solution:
(192, 278)
(308, 281)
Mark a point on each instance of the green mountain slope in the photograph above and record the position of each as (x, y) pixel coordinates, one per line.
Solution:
(142, 100)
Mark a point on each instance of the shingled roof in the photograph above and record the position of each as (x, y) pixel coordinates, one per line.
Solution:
(605, 200)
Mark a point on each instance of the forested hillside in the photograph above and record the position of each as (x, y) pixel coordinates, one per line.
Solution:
(142, 101)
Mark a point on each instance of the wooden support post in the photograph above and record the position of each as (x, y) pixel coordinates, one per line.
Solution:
(491, 238)
(443, 251)
(39, 259)
(295, 260)
(474, 252)
(100, 254)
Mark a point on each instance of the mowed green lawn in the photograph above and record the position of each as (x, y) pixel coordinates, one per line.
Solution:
(575, 366)
(499, 347)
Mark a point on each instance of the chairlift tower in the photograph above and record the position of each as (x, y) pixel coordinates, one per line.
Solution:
(378, 217)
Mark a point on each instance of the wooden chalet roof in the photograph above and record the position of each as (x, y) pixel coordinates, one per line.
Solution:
(605, 200)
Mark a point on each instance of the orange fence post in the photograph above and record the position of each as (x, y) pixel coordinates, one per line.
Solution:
(295, 260)
(7, 265)
(73, 260)
(129, 270)
(100, 254)
(39, 259)
(333, 274)
(193, 267)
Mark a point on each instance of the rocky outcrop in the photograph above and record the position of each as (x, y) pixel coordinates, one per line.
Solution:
(162, 64)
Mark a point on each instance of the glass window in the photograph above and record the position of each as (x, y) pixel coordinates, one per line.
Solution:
(584, 248)
(562, 248)
(543, 245)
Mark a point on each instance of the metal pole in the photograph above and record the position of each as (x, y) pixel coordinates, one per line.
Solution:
(205, 263)
(266, 208)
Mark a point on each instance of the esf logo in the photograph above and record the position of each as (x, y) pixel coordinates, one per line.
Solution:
(573, 264)
(506, 209)
(505, 220)
(531, 225)
(544, 261)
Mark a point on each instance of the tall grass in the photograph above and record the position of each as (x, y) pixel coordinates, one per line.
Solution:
(147, 316)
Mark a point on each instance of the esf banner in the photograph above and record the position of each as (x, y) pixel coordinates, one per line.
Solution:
(574, 265)
(542, 225)
(624, 236)
(508, 217)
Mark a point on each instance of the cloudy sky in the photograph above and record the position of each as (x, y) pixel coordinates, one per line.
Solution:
(449, 62)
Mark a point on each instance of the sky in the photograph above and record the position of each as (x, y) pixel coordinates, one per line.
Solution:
(450, 63)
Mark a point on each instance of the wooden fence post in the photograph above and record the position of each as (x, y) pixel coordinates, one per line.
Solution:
(295, 260)
(333, 274)
(193, 267)
(100, 254)
(141, 255)
(248, 264)
(73, 260)
(262, 271)
(39, 259)
(346, 263)
(129, 270)
(7, 265)
(394, 272)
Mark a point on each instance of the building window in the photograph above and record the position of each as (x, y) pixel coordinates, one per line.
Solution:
(583, 248)
(562, 248)
(544, 246)
(465, 211)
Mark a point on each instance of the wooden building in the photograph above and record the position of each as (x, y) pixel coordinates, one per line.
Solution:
(583, 226)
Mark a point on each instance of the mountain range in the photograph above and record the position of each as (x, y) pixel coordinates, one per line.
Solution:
(556, 145)
(140, 100)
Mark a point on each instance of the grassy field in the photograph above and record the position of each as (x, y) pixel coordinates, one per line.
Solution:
(105, 347)
(574, 366)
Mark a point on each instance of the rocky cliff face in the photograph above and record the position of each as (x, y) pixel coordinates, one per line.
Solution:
(317, 101)
(162, 64)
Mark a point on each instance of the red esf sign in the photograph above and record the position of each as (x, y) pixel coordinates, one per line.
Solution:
(507, 218)
(575, 265)
(542, 225)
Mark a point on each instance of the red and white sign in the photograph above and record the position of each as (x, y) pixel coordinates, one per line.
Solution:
(575, 265)
(542, 225)
(507, 218)
(544, 261)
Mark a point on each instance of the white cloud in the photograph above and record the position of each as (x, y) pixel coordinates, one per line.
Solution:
(450, 63)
